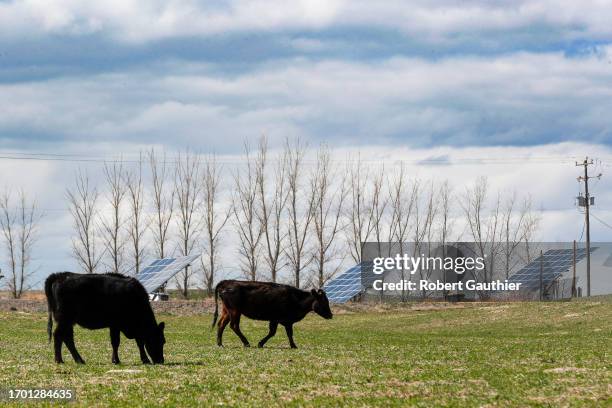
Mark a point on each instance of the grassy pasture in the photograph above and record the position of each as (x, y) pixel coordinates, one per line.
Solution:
(518, 354)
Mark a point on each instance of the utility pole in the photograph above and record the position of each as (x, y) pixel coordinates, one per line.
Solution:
(574, 272)
(541, 277)
(586, 202)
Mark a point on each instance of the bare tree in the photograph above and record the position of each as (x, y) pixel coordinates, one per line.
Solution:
(484, 227)
(8, 223)
(82, 202)
(246, 219)
(532, 221)
(112, 227)
(402, 202)
(163, 204)
(379, 205)
(188, 186)
(271, 207)
(445, 222)
(359, 211)
(19, 230)
(424, 234)
(214, 221)
(328, 201)
(300, 211)
(518, 227)
(137, 225)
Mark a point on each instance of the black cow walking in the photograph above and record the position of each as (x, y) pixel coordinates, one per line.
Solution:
(273, 302)
(100, 301)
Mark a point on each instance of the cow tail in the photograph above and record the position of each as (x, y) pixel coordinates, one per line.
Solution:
(50, 303)
(216, 315)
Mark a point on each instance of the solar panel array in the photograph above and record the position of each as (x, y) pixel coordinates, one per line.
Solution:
(349, 284)
(162, 270)
(554, 263)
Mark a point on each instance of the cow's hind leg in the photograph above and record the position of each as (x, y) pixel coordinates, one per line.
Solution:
(58, 339)
(143, 355)
(273, 326)
(289, 330)
(222, 323)
(115, 340)
(235, 325)
(69, 340)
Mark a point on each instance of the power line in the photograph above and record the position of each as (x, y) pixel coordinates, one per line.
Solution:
(80, 158)
(601, 221)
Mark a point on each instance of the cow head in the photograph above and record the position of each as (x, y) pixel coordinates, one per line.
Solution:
(321, 305)
(154, 343)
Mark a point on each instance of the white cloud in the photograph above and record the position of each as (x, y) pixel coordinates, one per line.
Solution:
(138, 21)
(521, 98)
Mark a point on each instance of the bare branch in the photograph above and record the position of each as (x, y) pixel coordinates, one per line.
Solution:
(188, 187)
(82, 203)
(214, 221)
(246, 219)
(112, 227)
(300, 208)
(328, 202)
(359, 211)
(271, 207)
(163, 203)
(137, 224)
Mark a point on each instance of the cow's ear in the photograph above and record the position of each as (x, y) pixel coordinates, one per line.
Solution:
(161, 326)
(313, 292)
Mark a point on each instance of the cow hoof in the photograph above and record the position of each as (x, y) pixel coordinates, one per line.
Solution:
(80, 362)
(293, 346)
(116, 362)
(247, 345)
(146, 362)
(59, 361)
(260, 345)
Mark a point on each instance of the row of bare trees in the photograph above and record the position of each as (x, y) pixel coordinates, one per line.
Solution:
(284, 215)
(117, 229)
(288, 215)
(307, 219)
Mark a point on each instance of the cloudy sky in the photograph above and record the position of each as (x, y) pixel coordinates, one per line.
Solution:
(450, 80)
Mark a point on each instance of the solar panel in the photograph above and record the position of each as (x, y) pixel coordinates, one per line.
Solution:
(348, 285)
(161, 271)
(553, 263)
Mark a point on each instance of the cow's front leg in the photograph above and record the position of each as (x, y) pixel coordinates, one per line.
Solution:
(273, 326)
(235, 325)
(69, 340)
(143, 355)
(289, 330)
(115, 340)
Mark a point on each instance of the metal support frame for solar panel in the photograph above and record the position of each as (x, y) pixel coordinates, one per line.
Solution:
(553, 263)
(161, 271)
(347, 285)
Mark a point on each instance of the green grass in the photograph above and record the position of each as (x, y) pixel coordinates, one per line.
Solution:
(520, 354)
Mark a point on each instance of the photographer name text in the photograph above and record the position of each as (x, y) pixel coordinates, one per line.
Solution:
(424, 284)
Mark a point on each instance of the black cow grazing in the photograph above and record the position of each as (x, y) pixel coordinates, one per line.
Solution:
(278, 304)
(100, 301)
